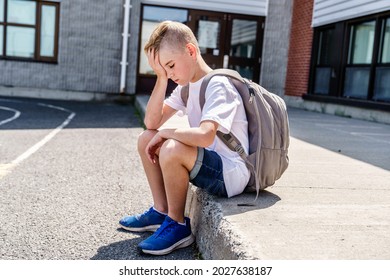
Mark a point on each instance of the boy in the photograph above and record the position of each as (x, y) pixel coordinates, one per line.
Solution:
(174, 157)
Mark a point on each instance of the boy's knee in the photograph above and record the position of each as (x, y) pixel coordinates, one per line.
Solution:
(173, 153)
(144, 138)
(171, 149)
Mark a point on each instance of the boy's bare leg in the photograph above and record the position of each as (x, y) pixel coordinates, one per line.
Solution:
(153, 173)
(176, 160)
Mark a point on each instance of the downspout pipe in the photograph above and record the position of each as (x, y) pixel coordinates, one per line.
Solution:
(125, 40)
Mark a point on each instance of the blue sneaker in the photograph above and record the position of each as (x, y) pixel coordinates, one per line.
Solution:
(170, 236)
(151, 220)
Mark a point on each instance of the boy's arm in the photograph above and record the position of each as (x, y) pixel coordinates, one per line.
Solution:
(202, 136)
(157, 113)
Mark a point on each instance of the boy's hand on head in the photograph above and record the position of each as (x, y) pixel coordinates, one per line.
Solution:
(153, 146)
(154, 62)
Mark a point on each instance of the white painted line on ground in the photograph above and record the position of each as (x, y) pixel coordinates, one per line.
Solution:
(366, 135)
(7, 168)
(373, 136)
(14, 117)
(345, 125)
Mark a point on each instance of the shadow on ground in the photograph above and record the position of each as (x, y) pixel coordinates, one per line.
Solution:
(127, 250)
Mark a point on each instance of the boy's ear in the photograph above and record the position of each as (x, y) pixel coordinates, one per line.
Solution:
(191, 49)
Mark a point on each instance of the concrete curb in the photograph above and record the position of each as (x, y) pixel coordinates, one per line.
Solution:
(214, 239)
(215, 236)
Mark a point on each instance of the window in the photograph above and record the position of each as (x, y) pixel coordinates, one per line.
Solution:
(1, 10)
(48, 23)
(357, 73)
(323, 63)
(1, 39)
(351, 60)
(29, 30)
(382, 78)
(361, 43)
(1, 26)
(384, 56)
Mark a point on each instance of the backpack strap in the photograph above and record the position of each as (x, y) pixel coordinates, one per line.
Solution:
(229, 139)
(217, 72)
(185, 91)
(233, 143)
(202, 93)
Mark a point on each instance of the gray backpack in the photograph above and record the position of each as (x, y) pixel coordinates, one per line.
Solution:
(268, 129)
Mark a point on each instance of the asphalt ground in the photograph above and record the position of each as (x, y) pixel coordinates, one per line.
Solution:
(368, 142)
(68, 172)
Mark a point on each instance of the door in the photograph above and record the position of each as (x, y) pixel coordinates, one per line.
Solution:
(209, 28)
(229, 41)
(225, 40)
(245, 41)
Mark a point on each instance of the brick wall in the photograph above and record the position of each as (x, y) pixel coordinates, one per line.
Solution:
(299, 54)
(89, 54)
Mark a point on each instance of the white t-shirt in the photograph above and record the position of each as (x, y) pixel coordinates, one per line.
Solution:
(222, 106)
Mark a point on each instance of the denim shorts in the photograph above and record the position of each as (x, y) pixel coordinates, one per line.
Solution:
(207, 173)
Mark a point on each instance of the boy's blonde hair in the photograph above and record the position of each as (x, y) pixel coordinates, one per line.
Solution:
(176, 35)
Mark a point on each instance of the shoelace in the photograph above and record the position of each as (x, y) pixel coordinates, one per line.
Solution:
(165, 229)
(145, 213)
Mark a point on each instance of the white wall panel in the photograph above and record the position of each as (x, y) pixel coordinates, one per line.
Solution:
(330, 11)
(248, 7)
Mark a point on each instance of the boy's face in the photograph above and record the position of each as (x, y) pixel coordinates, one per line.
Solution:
(178, 64)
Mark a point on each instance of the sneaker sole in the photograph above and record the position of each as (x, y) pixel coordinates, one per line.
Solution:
(151, 228)
(180, 244)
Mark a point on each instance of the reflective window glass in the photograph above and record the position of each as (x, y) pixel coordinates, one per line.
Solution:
(382, 85)
(245, 71)
(152, 16)
(21, 11)
(1, 10)
(48, 21)
(362, 43)
(20, 41)
(1, 39)
(322, 80)
(243, 40)
(356, 82)
(208, 36)
(158, 14)
(325, 47)
(385, 52)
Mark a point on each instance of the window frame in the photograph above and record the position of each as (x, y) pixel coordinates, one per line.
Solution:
(340, 62)
(37, 57)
